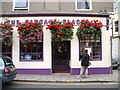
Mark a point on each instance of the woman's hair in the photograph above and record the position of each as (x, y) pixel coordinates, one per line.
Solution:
(86, 51)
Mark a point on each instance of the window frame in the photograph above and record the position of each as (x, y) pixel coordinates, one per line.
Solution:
(116, 26)
(83, 9)
(21, 8)
(31, 53)
(7, 51)
(92, 58)
(115, 6)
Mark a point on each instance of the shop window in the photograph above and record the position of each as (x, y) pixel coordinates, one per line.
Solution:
(94, 46)
(116, 26)
(20, 5)
(83, 4)
(31, 51)
(7, 50)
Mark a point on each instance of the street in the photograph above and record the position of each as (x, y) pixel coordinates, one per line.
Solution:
(31, 85)
(15, 84)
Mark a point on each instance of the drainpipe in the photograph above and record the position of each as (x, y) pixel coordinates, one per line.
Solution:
(0, 28)
(111, 42)
(111, 53)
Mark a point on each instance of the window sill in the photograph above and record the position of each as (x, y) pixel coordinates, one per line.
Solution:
(92, 60)
(83, 9)
(31, 60)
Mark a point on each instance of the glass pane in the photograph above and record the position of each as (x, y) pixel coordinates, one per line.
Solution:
(40, 56)
(83, 4)
(7, 51)
(80, 4)
(39, 49)
(33, 57)
(33, 51)
(22, 49)
(95, 45)
(7, 61)
(21, 3)
(87, 4)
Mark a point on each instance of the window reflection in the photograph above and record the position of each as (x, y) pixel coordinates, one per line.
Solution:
(32, 51)
(94, 44)
(21, 3)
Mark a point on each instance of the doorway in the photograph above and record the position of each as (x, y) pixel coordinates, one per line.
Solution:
(61, 57)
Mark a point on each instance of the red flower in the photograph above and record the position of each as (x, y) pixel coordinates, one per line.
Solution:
(6, 27)
(0, 24)
(26, 25)
(6, 32)
(5, 23)
(87, 25)
(82, 26)
(28, 29)
(11, 28)
(35, 23)
(89, 29)
(41, 29)
(60, 30)
(19, 27)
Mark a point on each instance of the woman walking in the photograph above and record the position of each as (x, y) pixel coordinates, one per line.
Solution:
(84, 64)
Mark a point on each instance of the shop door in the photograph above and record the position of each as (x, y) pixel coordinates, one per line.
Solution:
(61, 57)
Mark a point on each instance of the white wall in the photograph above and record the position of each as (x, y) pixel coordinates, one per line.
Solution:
(47, 59)
(115, 48)
(106, 49)
(116, 41)
(46, 63)
(119, 28)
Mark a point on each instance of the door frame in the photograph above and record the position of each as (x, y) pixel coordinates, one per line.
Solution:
(68, 58)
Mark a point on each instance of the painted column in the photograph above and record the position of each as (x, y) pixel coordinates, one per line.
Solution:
(75, 63)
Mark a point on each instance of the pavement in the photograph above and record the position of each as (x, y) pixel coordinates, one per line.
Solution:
(67, 78)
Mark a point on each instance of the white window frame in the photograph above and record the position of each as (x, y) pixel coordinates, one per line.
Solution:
(83, 9)
(115, 6)
(26, 8)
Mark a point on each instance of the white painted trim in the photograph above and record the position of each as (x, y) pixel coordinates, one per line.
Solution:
(83, 9)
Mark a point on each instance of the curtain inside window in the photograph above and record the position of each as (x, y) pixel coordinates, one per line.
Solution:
(87, 4)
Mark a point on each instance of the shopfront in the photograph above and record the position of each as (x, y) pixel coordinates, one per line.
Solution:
(45, 57)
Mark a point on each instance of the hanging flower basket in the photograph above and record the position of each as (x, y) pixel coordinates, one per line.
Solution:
(60, 31)
(30, 31)
(88, 29)
(6, 33)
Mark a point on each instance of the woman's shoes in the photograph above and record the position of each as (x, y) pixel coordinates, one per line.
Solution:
(82, 76)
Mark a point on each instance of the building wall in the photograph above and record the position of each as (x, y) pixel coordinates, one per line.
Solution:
(0, 7)
(119, 28)
(116, 39)
(45, 66)
(115, 48)
(56, 7)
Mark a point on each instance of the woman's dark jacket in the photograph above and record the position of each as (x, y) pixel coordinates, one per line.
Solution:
(85, 59)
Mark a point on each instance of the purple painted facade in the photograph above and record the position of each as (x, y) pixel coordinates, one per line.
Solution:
(97, 70)
(73, 71)
(35, 71)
